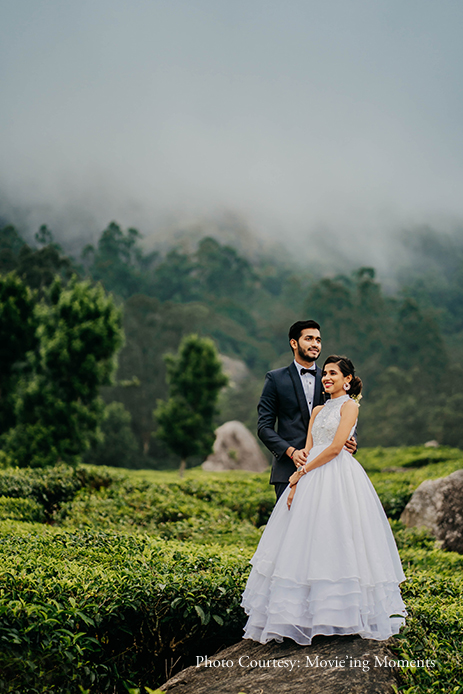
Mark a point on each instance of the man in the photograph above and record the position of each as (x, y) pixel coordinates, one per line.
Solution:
(289, 396)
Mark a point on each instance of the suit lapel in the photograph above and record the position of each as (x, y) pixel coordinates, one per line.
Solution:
(296, 379)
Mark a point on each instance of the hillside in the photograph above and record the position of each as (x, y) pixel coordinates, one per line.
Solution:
(113, 579)
(246, 304)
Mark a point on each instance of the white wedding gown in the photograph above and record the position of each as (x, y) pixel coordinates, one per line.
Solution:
(330, 564)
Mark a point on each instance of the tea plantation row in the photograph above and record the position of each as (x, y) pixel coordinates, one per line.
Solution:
(109, 579)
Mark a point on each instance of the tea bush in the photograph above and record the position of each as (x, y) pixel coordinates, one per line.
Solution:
(434, 628)
(397, 472)
(21, 509)
(53, 486)
(95, 609)
(141, 571)
(162, 510)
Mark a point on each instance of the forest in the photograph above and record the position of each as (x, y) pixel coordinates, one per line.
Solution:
(407, 344)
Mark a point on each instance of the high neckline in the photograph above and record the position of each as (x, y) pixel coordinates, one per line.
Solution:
(342, 398)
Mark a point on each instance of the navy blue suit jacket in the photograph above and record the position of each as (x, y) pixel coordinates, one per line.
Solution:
(283, 400)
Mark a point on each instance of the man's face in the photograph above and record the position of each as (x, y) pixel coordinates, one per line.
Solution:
(309, 345)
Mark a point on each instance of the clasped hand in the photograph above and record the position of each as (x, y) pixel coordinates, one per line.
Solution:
(299, 457)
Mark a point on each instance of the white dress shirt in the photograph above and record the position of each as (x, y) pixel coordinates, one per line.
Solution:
(308, 384)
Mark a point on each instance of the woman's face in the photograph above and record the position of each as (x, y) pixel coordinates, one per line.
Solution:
(333, 379)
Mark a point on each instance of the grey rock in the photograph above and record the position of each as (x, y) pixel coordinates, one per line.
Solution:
(331, 665)
(235, 448)
(438, 506)
(236, 370)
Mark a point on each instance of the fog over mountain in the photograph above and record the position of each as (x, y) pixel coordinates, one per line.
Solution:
(328, 128)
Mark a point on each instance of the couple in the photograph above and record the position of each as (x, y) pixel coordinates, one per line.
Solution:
(327, 562)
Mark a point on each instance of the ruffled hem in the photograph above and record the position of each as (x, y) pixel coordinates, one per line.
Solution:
(279, 608)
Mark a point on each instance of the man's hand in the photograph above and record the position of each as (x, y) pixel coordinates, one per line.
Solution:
(299, 458)
(351, 445)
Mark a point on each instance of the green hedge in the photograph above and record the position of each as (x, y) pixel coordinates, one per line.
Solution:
(397, 472)
(102, 611)
(95, 610)
(434, 628)
(229, 506)
(53, 486)
(85, 607)
(162, 511)
(21, 509)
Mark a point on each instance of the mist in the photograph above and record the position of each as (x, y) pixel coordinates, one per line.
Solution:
(326, 129)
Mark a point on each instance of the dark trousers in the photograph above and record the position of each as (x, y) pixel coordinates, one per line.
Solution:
(280, 488)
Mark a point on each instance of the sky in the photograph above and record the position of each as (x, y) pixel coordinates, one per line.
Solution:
(327, 127)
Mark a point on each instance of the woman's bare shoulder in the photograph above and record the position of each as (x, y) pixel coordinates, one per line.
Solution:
(349, 407)
(316, 410)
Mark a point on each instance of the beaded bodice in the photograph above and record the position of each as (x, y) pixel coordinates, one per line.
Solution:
(327, 421)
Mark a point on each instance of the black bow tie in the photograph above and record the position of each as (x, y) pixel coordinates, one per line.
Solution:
(312, 372)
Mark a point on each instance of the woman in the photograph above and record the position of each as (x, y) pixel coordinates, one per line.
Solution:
(327, 562)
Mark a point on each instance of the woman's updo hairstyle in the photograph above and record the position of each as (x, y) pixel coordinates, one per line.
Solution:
(347, 369)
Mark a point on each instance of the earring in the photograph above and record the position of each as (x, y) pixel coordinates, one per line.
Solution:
(346, 386)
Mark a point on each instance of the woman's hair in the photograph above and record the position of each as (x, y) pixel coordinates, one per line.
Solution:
(347, 369)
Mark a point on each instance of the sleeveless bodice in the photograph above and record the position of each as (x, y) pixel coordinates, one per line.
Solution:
(327, 421)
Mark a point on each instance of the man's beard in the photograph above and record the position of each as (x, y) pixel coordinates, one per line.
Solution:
(304, 356)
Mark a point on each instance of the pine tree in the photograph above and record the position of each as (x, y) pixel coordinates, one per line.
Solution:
(195, 379)
(57, 406)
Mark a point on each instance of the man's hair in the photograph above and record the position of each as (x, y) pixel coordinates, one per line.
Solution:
(296, 329)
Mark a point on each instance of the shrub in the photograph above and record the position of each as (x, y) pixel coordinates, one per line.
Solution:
(50, 487)
(394, 495)
(94, 609)
(21, 509)
(86, 606)
(434, 628)
(164, 510)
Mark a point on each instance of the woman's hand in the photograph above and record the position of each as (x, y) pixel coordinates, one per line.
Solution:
(296, 476)
(291, 494)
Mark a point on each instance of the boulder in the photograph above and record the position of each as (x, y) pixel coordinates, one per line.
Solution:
(236, 370)
(235, 448)
(432, 444)
(438, 506)
(331, 665)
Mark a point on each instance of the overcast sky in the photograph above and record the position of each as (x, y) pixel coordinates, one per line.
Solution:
(312, 121)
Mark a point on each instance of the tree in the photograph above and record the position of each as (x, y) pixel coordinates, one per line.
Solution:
(221, 271)
(153, 328)
(118, 261)
(18, 326)
(57, 405)
(10, 245)
(174, 279)
(37, 267)
(195, 378)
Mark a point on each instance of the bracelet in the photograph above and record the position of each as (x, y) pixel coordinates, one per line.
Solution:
(303, 470)
(291, 456)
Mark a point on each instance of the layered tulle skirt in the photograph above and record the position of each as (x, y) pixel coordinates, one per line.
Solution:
(327, 566)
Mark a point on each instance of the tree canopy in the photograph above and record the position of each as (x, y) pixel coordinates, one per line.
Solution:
(245, 305)
(195, 379)
(68, 339)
